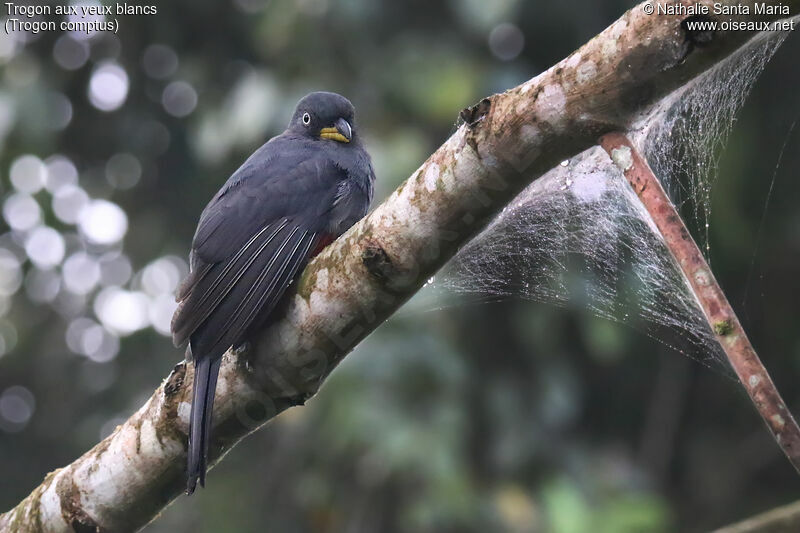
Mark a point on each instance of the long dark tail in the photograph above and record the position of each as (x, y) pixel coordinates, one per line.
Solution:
(206, 371)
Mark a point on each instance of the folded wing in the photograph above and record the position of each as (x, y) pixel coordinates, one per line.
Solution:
(252, 240)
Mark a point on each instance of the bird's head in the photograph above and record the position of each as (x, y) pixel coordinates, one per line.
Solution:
(324, 115)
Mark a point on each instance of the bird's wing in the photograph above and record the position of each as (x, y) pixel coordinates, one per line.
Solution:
(266, 188)
(250, 244)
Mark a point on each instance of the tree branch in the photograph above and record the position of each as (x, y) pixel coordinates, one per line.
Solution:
(718, 312)
(507, 141)
(784, 519)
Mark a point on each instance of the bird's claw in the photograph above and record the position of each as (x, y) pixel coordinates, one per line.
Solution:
(241, 349)
(300, 399)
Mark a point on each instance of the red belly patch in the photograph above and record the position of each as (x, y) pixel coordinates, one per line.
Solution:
(324, 240)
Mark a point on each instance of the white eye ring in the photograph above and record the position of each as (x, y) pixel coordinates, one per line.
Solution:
(306, 119)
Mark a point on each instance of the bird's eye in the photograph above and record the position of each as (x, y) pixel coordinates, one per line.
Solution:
(306, 119)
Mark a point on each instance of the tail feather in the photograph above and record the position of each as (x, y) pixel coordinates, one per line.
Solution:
(205, 384)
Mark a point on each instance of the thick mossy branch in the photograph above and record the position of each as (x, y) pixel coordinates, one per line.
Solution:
(507, 141)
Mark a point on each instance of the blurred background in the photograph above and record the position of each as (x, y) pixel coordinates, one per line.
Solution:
(507, 416)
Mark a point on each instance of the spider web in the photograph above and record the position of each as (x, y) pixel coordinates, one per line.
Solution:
(579, 236)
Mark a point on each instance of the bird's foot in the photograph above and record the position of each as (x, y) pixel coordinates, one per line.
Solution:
(242, 354)
(241, 349)
(300, 399)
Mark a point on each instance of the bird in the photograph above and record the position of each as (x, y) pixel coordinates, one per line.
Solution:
(290, 199)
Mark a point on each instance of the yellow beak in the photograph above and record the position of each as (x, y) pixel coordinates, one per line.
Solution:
(333, 134)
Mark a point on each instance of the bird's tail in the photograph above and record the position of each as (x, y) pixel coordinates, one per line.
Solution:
(206, 371)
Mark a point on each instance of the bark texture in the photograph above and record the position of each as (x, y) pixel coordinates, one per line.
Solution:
(506, 141)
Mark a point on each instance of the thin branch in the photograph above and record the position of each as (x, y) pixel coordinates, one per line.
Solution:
(718, 312)
(784, 519)
(507, 141)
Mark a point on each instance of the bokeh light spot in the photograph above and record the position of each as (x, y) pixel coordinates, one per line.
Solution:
(506, 41)
(121, 311)
(69, 53)
(17, 405)
(42, 285)
(21, 212)
(108, 87)
(81, 273)
(79, 17)
(68, 203)
(28, 174)
(60, 171)
(58, 111)
(161, 310)
(8, 337)
(45, 247)
(10, 273)
(179, 99)
(115, 269)
(161, 276)
(123, 171)
(103, 222)
(159, 61)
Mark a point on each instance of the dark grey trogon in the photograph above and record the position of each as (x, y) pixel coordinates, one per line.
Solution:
(289, 200)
